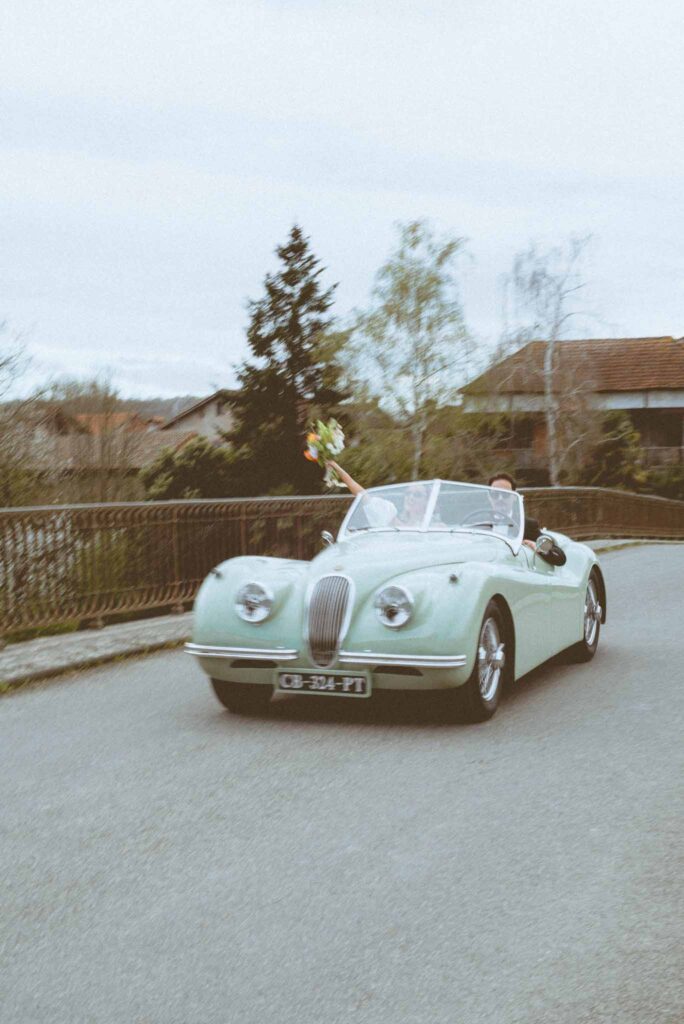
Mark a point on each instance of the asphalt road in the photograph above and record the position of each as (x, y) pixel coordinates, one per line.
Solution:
(164, 862)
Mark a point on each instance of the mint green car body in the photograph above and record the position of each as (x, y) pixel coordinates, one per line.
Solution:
(452, 575)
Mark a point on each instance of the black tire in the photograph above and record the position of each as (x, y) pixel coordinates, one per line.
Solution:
(243, 698)
(586, 648)
(478, 698)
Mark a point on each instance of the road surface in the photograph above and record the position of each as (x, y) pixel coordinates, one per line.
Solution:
(165, 862)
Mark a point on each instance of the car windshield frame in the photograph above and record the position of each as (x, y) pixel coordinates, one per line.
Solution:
(426, 526)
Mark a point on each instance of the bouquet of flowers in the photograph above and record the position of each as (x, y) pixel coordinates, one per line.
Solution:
(325, 441)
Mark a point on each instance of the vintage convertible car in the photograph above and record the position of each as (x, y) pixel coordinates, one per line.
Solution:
(429, 586)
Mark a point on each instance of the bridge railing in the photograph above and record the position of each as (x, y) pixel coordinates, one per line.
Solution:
(87, 563)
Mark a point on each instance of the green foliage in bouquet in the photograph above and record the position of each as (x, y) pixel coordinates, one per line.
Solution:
(325, 441)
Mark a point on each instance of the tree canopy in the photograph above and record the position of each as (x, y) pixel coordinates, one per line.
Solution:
(289, 377)
(411, 346)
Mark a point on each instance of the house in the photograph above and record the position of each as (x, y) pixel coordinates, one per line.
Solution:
(209, 417)
(94, 456)
(97, 423)
(642, 377)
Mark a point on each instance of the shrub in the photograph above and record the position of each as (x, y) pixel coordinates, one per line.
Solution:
(667, 482)
(199, 469)
(615, 459)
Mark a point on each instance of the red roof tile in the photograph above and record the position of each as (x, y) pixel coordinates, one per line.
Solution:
(104, 422)
(611, 364)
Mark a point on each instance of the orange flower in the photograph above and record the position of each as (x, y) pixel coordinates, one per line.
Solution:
(311, 451)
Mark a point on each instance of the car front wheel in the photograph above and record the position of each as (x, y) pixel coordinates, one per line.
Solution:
(478, 699)
(242, 698)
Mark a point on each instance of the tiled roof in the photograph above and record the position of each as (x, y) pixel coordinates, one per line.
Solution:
(104, 422)
(154, 443)
(223, 394)
(611, 364)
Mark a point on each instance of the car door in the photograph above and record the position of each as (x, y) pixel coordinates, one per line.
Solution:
(567, 606)
(533, 618)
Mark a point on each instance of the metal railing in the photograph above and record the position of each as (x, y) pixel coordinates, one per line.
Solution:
(85, 563)
(596, 512)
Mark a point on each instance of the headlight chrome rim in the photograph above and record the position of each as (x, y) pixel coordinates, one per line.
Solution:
(254, 602)
(394, 606)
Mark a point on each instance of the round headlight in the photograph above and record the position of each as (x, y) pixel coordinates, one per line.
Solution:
(253, 602)
(393, 606)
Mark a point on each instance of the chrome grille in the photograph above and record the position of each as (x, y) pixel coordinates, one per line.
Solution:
(327, 613)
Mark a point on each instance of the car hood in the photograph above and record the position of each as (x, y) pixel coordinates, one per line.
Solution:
(375, 557)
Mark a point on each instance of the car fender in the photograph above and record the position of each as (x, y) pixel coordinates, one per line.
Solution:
(215, 617)
(450, 602)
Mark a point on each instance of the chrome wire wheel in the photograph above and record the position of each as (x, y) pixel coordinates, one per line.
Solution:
(490, 658)
(592, 614)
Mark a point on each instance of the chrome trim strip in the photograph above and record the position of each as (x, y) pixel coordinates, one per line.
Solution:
(257, 653)
(344, 657)
(406, 660)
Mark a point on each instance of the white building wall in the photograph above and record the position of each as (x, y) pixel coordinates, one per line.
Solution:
(207, 421)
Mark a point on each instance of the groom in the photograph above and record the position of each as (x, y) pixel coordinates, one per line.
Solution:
(556, 556)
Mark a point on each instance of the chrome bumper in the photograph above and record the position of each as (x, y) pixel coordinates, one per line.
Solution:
(253, 653)
(345, 657)
(404, 660)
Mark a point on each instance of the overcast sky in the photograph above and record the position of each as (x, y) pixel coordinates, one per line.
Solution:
(152, 155)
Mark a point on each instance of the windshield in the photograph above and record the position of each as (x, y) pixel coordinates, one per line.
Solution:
(438, 506)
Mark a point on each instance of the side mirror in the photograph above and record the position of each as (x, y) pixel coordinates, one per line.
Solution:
(327, 537)
(544, 546)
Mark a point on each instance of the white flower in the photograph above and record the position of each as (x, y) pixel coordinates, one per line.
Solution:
(337, 441)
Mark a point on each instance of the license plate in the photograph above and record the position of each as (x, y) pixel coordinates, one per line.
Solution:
(332, 684)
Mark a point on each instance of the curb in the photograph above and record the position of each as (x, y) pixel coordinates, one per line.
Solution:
(16, 680)
(621, 545)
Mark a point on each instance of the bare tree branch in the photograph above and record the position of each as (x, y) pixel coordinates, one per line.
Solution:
(538, 297)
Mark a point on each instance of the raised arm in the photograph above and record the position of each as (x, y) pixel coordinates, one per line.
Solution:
(346, 479)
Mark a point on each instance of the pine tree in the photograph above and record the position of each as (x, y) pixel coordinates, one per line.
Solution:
(287, 379)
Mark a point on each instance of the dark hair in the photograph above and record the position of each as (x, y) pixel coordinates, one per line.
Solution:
(502, 476)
